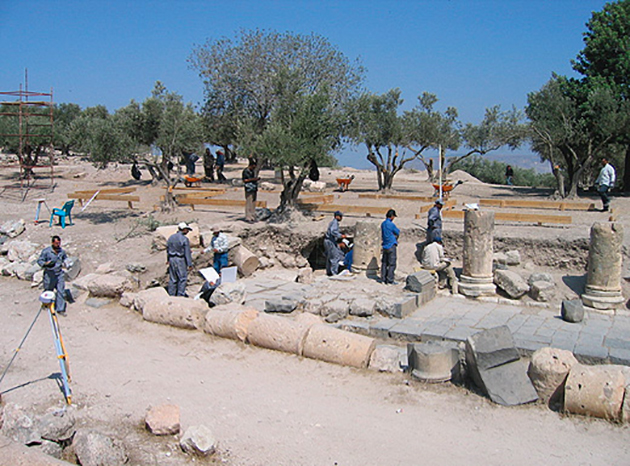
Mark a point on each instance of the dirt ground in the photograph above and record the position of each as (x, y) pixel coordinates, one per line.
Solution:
(267, 407)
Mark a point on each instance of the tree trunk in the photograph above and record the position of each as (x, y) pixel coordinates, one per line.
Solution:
(626, 171)
(560, 180)
(291, 191)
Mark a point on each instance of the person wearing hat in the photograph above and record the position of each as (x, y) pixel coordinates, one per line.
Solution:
(433, 259)
(179, 260)
(332, 251)
(389, 236)
(219, 244)
(250, 182)
(52, 260)
(434, 221)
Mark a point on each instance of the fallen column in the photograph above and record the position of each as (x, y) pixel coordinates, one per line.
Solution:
(230, 321)
(477, 278)
(278, 333)
(333, 345)
(595, 391)
(603, 281)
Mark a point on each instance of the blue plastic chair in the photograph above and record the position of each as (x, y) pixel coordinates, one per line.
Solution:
(63, 213)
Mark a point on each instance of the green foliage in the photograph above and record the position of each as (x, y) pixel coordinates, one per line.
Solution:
(492, 171)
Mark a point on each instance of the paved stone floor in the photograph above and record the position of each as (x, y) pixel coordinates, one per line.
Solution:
(598, 338)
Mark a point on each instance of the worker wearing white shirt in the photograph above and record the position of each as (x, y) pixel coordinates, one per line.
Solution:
(433, 259)
(605, 181)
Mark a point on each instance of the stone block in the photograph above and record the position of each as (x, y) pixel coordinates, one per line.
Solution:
(491, 348)
(198, 440)
(284, 306)
(362, 307)
(227, 293)
(386, 358)
(20, 251)
(95, 449)
(162, 234)
(420, 281)
(539, 277)
(12, 228)
(511, 282)
(405, 306)
(572, 310)
(163, 420)
(109, 286)
(513, 257)
(339, 347)
(508, 384)
(542, 291)
(56, 426)
(548, 371)
(338, 306)
(278, 333)
(177, 311)
(595, 391)
(230, 321)
(141, 297)
(433, 361)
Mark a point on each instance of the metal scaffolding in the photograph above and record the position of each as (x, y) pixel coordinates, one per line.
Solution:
(31, 124)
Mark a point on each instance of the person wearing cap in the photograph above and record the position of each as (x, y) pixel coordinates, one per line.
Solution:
(332, 251)
(250, 182)
(219, 245)
(179, 260)
(52, 260)
(389, 236)
(433, 259)
(434, 221)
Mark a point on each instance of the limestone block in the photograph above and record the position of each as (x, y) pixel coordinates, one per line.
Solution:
(95, 449)
(20, 251)
(339, 347)
(109, 286)
(12, 228)
(140, 299)
(8, 268)
(337, 306)
(511, 282)
(83, 282)
(491, 348)
(198, 440)
(18, 425)
(127, 299)
(362, 307)
(286, 260)
(548, 371)
(305, 275)
(513, 257)
(38, 278)
(386, 358)
(163, 420)
(15, 454)
(20, 270)
(177, 311)
(230, 321)
(595, 391)
(539, 277)
(228, 293)
(162, 234)
(572, 310)
(266, 186)
(542, 291)
(277, 333)
(57, 426)
(314, 186)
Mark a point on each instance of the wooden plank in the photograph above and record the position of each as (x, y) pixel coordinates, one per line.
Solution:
(217, 202)
(447, 205)
(90, 192)
(404, 197)
(207, 188)
(322, 199)
(513, 217)
(200, 194)
(529, 204)
(352, 209)
(104, 197)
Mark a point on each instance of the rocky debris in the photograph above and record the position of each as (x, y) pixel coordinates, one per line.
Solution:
(337, 308)
(337, 346)
(433, 361)
(228, 293)
(163, 419)
(14, 454)
(83, 282)
(127, 299)
(177, 311)
(305, 275)
(539, 277)
(96, 449)
(13, 229)
(50, 448)
(511, 282)
(548, 371)
(56, 426)
(266, 186)
(198, 440)
(104, 269)
(109, 286)
(230, 321)
(314, 186)
(542, 291)
(595, 391)
(21, 251)
(19, 426)
(135, 268)
(572, 310)
(362, 307)
(495, 366)
(387, 358)
(513, 257)
(284, 306)
(162, 234)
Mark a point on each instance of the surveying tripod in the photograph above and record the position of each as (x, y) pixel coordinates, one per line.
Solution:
(47, 298)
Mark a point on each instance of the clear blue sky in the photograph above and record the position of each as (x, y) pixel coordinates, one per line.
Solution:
(471, 53)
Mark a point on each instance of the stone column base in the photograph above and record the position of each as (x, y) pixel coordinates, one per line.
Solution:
(474, 287)
(602, 300)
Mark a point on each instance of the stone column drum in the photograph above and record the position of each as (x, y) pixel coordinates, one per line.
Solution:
(476, 279)
(603, 281)
(367, 248)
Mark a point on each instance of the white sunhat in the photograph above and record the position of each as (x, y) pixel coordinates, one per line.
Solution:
(183, 226)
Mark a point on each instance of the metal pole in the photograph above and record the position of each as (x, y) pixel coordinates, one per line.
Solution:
(440, 168)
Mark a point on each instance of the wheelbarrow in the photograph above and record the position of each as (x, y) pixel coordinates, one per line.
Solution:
(343, 183)
(447, 187)
(190, 181)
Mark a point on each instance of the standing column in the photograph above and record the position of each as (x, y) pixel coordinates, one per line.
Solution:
(477, 279)
(367, 248)
(603, 282)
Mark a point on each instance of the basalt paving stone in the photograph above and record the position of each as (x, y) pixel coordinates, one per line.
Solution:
(619, 356)
(618, 343)
(590, 354)
(459, 332)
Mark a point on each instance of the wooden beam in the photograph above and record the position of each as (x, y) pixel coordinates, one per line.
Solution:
(529, 204)
(404, 197)
(513, 217)
(447, 205)
(199, 194)
(104, 197)
(90, 192)
(200, 188)
(217, 202)
(351, 209)
(322, 199)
